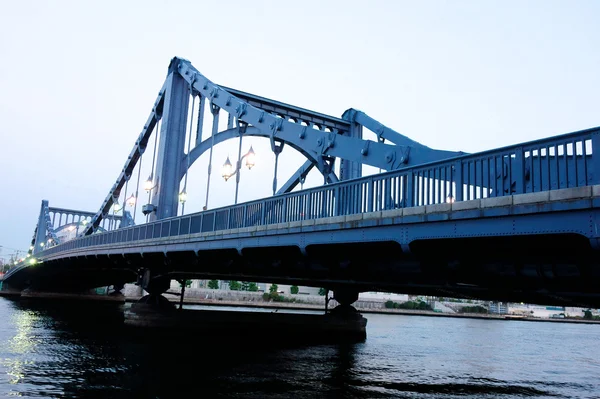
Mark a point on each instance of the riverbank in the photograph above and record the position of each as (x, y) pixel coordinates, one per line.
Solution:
(404, 312)
(281, 306)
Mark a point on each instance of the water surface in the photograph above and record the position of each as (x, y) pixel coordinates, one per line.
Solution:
(58, 349)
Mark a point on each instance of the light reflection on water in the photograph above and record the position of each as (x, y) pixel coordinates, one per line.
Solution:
(80, 351)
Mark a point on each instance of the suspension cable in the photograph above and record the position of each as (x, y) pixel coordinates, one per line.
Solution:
(156, 133)
(124, 200)
(184, 192)
(137, 187)
(214, 109)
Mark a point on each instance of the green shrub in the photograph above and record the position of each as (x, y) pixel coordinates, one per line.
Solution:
(473, 309)
(213, 284)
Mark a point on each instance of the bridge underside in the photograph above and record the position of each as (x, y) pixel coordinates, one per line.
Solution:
(554, 269)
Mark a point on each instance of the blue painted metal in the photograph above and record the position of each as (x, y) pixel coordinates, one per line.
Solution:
(423, 185)
(418, 177)
(251, 131)
(298, 177)
(46, 230)
(319, 137)
(171, 146)
(413, 153)
(291, 130)
(136, 153)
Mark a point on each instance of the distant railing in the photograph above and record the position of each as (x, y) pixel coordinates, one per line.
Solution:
(548, 164)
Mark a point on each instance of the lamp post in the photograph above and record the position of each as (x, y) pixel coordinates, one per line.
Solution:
(149, 186)
(228, 170)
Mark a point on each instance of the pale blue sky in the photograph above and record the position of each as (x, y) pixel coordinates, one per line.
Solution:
(78, 80)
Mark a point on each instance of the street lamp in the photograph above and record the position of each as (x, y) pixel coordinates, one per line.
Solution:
(250, 158)
(149, 184)
(131, 200)
(182, 197)
(228, 170)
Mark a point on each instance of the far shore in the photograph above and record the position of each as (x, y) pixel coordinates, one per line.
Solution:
(287, 305)
(404, 312)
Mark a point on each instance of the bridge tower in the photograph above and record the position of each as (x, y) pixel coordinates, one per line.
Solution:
(171, 145)
(40, 231)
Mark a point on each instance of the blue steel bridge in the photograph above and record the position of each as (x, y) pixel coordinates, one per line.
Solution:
(519, 223)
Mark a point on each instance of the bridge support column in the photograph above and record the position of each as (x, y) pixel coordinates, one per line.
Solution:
(345, 296)
(40, 233)
(155, 285)
(350, 169)
(171, 145)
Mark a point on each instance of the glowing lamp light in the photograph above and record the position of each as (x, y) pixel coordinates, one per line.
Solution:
(116, 207)
(31, 248)
(250, 158)
(182, 197)
(149, 184)
(33, 261)
(84, 222)
(131, 200)
(41, 244)
(450, 199)
(227, 170)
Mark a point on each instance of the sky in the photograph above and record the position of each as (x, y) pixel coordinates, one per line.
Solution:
(78, 81)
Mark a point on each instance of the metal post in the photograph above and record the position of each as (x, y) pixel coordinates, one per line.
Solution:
(137, 188)
(200, 125)
(351, 169)
(595, 158)
(238, 167)
(182, 294)
(275, 172)
(214, 109)
(189, 146)
(458, 180)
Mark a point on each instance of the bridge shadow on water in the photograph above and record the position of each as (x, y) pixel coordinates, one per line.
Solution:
(92, 355)
(112, 360)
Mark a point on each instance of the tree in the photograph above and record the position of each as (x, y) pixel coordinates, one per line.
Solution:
(188, 283)
(294, 289)
(322, 291)
(213, 284)
(252, 287)
(273, 289)
(234, 285)
(587, 314)
(245, 286)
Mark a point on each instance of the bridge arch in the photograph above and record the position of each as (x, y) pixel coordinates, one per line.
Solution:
(251, 131)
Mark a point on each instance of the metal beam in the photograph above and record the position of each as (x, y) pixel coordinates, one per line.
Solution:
(136, 153)
(417, 154)
(229, 134)
(317, 142)
(300, 174)
(290, 111)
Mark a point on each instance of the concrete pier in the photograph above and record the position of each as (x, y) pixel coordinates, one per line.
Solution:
(341, 324)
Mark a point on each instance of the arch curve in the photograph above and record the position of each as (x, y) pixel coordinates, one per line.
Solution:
(252, 131)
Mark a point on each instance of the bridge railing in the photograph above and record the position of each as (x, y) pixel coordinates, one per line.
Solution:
(548, 164)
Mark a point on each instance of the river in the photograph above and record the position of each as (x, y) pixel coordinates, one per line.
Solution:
(54, 349)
